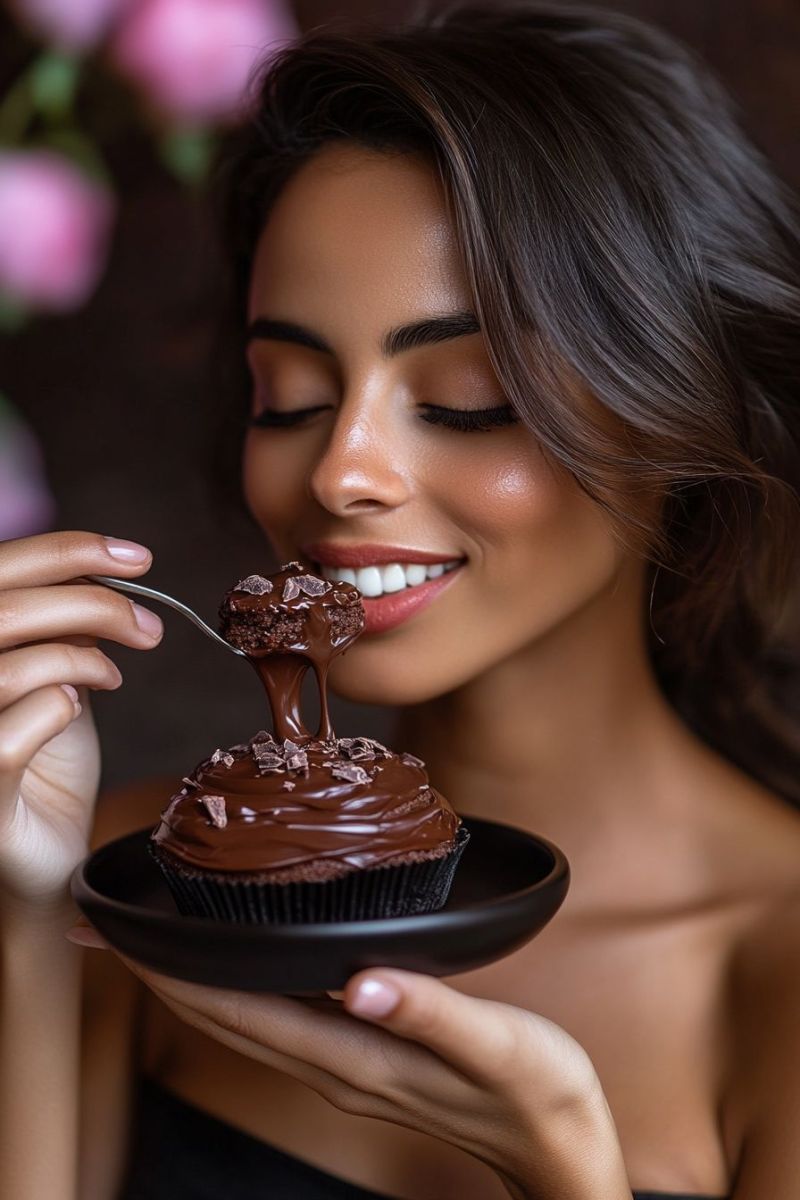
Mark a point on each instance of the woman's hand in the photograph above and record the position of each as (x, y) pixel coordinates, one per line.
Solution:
(49, 756)
(503, 1084)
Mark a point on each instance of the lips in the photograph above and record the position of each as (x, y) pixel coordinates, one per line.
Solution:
(388, 611)
(408, 579)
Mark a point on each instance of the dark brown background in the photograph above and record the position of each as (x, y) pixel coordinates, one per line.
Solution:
(121, 395)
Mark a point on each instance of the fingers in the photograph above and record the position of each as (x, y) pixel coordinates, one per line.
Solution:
(31, 722)
(478, 1037)
(38, 614)
(329, 1040)
(357, 1068)
(58, 557)
(34, 667)
(219, 1015)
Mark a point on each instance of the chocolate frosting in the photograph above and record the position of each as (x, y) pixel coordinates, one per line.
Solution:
(279, 801)
(387, 809)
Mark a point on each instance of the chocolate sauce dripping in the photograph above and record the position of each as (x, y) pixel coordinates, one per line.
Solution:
(325, 730)
(282, 678)
(309, 643)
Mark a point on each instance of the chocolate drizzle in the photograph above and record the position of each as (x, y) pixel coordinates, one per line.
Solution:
(290, 797)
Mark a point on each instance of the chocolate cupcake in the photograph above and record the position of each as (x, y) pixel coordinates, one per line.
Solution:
(295, 826)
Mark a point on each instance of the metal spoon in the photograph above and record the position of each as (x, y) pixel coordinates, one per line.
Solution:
(138, 589)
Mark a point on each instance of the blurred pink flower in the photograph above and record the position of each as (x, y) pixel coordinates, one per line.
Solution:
(194, 57)
(54, 227)
(71, 24)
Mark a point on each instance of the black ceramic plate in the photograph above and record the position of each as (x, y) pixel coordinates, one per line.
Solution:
(507, 887)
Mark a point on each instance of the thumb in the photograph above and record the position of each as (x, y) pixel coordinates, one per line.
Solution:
(461, 1029)
(84, 934)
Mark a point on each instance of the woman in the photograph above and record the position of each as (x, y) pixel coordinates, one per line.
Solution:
(522, 303)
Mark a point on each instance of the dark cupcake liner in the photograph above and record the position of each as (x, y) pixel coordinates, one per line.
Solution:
(397, 891)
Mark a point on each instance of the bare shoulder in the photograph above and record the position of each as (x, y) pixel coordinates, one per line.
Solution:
(750, 835)
(764, 994)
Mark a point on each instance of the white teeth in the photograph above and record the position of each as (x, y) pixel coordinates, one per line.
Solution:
(394, 577)
(415, 573)
(344, 574)
(369, 582)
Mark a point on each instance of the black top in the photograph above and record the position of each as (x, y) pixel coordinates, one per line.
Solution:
(182, 1153)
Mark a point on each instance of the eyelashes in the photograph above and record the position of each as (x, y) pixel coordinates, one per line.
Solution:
(269, 418)
(463, 420)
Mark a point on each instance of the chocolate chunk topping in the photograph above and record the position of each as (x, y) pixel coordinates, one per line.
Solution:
(291, 589)
(350, 772)
(223, 757)
(268, 761)
(313, 586)
(288, 786)
(215, 806)
(362, 749)
(256, 585)
(411, 760)
(298, 762)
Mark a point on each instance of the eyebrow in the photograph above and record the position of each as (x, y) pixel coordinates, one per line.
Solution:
(404, 337)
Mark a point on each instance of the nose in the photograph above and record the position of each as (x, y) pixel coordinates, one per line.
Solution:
(362, 466)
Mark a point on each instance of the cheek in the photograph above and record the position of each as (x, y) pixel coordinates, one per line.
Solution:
(516, 510)
(273, 480)
(548, 547)
(539, 552)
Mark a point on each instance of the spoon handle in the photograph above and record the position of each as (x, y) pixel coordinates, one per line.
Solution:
(138, 589)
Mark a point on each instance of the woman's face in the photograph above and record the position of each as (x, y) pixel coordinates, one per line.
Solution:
(352, 468)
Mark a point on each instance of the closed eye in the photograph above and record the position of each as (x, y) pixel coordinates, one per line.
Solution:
(470, 420)
(269, 418)
(463, 420)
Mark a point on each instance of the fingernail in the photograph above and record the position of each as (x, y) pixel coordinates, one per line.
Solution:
(129, 552)
(84, 935)
(147, 621)
(374, 998)
(71, 692)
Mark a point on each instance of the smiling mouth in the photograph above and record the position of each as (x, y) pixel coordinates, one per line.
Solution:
(390, 578)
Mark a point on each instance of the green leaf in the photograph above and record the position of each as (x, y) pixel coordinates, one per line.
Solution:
(187, 153)
(54, 82)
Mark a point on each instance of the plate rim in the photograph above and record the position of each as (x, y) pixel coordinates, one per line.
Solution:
(559, 874)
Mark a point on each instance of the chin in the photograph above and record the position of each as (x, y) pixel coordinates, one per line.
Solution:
(364, 676)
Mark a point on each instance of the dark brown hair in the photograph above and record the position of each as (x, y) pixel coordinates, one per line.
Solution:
(625, 242)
